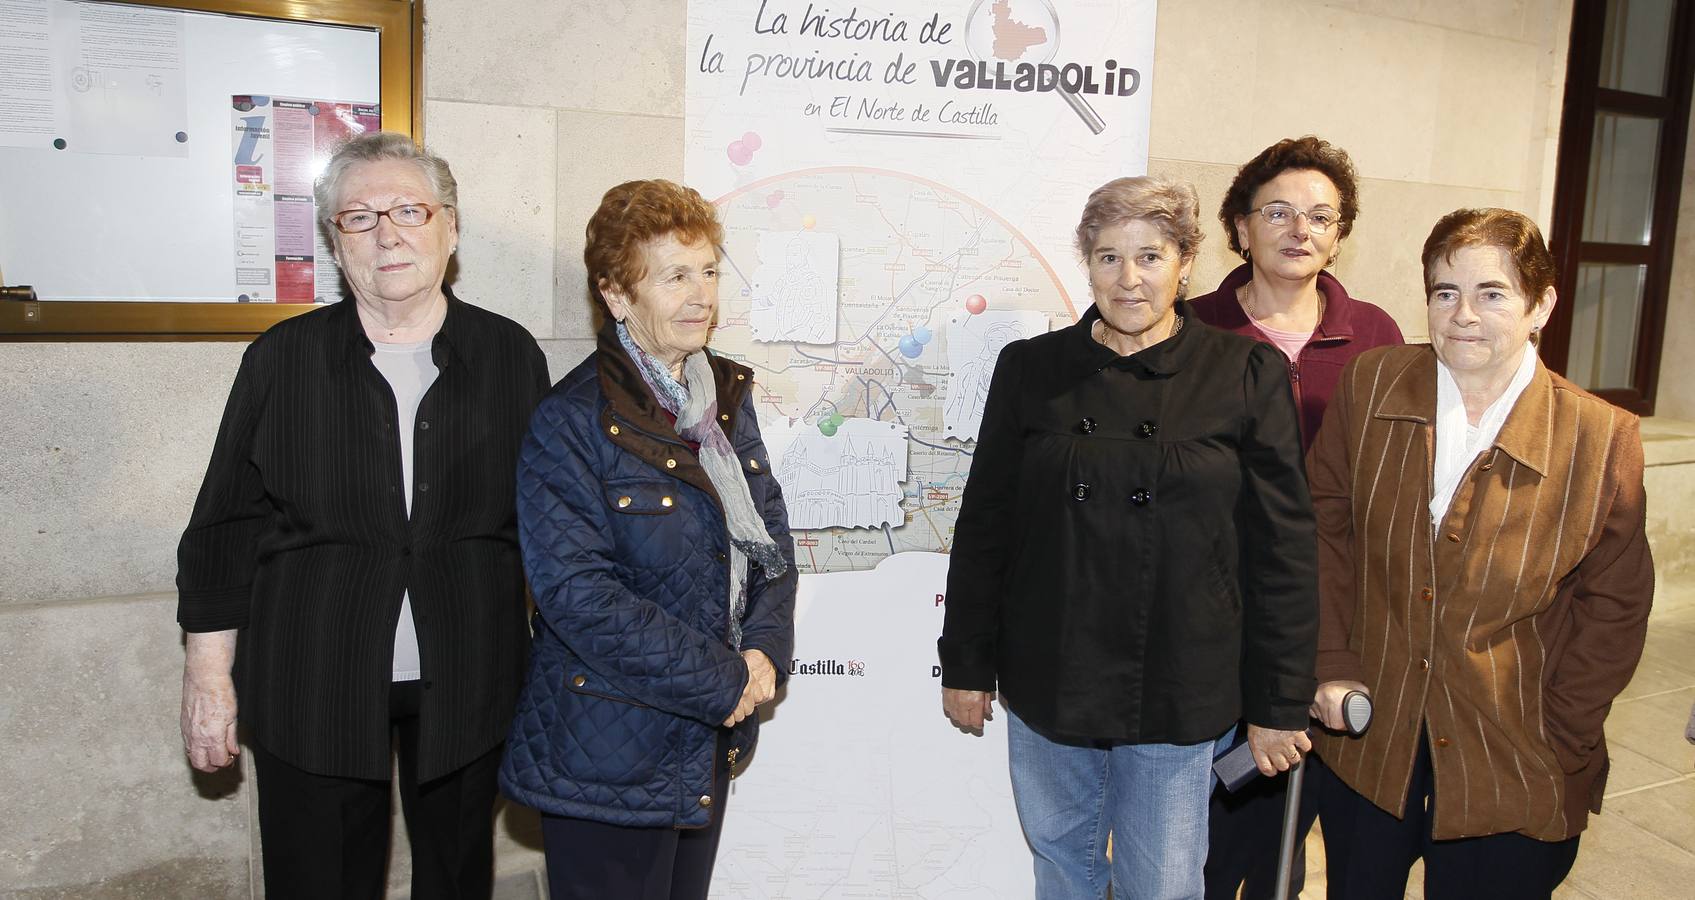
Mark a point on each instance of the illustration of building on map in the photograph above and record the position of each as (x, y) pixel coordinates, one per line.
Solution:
(848, 480)
(795, 287)
(974, 343)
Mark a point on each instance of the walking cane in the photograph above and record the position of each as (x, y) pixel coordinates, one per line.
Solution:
(1356, 715)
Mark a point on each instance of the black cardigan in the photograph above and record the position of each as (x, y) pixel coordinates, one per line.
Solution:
(1134, 558)
(301, 540)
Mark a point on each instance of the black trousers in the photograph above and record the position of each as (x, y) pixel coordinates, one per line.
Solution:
(596, 861)
(327, 838)
(1245, 833)
(1368, 851)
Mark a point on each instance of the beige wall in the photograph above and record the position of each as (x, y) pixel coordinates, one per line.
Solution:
(541, 105)
(1442, 104)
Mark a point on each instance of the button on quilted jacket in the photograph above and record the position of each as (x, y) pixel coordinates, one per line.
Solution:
(625, 544)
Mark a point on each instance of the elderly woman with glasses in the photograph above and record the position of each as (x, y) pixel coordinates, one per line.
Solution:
(1287, 214)
(351, 572)
(1134, 563)
(658, 552)
(1484, 575)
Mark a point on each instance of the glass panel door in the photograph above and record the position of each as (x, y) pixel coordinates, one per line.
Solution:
(1607, 309)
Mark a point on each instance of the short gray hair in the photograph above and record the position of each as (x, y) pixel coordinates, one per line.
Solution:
(1171, 205)
(380, 146)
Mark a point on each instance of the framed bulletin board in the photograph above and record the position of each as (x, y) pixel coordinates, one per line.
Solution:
(134, 237)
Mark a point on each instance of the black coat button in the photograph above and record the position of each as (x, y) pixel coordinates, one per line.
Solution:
(1148, 429)
(1087, 426)
(1141, 497)
(1080, 492)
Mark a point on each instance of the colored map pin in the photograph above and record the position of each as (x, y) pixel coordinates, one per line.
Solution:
(976, 303)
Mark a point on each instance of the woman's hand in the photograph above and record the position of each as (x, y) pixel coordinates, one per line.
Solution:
(968, 709)
(208, 701)
(761, 686)
(1327, 702)
(1276, 751)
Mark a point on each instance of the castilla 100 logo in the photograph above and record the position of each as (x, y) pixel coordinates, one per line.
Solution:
(850, 667)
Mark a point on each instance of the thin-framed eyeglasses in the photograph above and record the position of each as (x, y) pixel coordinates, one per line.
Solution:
(406, 215)
(1281, 215)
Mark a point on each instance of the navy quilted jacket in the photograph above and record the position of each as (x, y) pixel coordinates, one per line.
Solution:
(624, 540)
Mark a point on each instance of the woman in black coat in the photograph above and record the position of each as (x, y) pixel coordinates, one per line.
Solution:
(1133, 567)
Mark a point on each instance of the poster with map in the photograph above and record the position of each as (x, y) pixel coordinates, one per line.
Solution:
(900, 186)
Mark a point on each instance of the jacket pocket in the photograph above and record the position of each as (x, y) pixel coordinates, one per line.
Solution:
(641, 496)
(581, 681)
(606, 737)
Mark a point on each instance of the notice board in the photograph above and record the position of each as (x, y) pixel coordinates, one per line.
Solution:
(124, 224)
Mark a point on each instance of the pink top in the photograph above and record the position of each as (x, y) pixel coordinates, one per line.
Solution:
(1290, 342)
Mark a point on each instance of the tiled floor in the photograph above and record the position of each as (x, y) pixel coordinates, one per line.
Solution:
(1643, 843)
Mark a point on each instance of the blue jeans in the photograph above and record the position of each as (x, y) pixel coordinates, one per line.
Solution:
(1151, 798)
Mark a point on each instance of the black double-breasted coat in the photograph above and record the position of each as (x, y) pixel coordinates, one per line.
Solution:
(1135, 560)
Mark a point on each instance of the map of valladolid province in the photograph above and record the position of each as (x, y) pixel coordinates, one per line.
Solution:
(929, 286)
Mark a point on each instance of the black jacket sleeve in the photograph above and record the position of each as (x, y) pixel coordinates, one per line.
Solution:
(1279, 553)
(983, 545)
(218, 554)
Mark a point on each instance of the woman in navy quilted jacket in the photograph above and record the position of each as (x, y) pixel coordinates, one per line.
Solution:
(658, 551)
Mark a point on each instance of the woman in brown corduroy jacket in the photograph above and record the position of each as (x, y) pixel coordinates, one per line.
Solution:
(1484, 575)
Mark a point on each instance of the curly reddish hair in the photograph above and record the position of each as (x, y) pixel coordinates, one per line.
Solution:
(1288, 155)
(634, 213)
(1533, 265)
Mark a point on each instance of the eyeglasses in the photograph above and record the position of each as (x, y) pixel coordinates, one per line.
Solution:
(1280, 215)
(406, 215)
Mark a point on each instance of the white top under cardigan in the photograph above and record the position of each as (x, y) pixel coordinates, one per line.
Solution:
(1458, 441)
(410, 369)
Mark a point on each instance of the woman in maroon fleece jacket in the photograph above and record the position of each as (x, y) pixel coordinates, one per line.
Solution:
(1286, 213)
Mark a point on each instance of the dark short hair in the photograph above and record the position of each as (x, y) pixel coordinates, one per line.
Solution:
(380, 146)
(634, 213)
(1533, 265)
(1290, 155)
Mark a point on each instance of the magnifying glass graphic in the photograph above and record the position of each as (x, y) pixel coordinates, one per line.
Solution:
(994, 32)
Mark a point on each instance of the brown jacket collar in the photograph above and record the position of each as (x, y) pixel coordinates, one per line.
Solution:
(1526, 436)
(634, 420)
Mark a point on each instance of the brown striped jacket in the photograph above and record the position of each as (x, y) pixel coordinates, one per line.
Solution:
(1506, 629)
